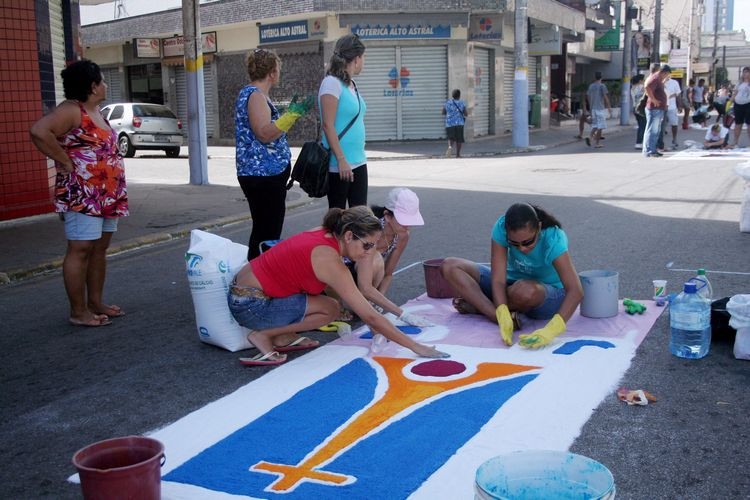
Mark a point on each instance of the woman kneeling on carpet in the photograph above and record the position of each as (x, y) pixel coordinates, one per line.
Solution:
(278, 293)
(373, 276)
(531, 273)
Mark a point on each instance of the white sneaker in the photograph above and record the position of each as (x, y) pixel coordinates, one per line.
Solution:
(639, 146)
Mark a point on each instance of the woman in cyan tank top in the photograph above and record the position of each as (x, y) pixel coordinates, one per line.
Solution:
(279, 293)
(340, 103)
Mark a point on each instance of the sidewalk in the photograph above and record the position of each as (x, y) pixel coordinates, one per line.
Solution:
(35, 245)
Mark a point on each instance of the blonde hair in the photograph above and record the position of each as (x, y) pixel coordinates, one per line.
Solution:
(260, 63)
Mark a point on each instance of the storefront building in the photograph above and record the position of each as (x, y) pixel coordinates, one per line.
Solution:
(412, 63)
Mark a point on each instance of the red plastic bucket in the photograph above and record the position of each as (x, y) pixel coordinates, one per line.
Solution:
(121, 468)
(435, 284)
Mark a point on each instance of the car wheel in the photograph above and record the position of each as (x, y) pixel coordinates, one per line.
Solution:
(172, 152)
(125, 146)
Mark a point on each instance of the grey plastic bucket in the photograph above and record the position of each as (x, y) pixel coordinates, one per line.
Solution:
(535, 474)
(601, 293)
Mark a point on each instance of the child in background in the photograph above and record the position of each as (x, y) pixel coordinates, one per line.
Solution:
(717, 137)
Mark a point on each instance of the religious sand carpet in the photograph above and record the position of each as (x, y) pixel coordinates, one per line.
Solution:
(337, 423)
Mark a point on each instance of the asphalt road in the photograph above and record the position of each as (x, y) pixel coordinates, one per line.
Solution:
(64, 387)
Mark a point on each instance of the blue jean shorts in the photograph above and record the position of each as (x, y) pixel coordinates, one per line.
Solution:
(553, 296)
(264, 313)
(84, 227)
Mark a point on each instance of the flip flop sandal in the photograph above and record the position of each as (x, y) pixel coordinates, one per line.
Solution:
(264, 359)
(91, 323)
(297, 345)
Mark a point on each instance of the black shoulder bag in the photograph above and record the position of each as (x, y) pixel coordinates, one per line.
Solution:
(311, 168)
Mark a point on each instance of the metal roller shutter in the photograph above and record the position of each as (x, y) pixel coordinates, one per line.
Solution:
(508, 75)
(113, 77)
(532, 78)
(373, 83)
(427, 71)
(209, 95)
(482, 101)
(57, 34)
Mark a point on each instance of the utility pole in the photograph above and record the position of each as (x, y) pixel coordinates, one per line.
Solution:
(657, 32)
(197, 148)
(691, 41)
(712, 76)
(520, 80)
(626, 68)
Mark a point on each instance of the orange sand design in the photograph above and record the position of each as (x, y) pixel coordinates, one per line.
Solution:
(400, 395)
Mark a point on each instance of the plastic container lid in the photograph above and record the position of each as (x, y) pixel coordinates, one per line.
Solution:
(690, 288)
(701, 272)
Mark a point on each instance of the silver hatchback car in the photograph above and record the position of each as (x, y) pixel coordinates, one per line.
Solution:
(144, 126)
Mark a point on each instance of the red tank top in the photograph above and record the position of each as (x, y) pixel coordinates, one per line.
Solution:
(286, 269)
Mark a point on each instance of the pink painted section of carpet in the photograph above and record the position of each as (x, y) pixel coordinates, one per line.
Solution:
(473, 330)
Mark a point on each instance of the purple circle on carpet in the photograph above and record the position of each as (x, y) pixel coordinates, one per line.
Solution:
(438, 368)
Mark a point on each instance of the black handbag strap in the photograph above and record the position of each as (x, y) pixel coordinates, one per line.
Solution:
(456, 105)
(359, 110)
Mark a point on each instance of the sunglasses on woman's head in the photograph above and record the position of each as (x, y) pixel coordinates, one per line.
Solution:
(367, 245)
(526, 243)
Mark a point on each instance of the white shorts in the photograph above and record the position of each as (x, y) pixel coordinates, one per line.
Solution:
(598, 119)
(672, 117)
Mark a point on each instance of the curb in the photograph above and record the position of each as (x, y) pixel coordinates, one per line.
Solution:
(16, 275)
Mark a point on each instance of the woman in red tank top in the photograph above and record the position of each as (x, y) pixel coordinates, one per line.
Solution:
(278, 293)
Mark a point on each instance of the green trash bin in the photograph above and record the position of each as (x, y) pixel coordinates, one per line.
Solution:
(535, 110)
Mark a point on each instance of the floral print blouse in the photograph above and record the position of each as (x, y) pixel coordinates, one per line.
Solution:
(255, 158)
(96, 186)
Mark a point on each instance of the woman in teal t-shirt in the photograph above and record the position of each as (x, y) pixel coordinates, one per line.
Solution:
(531, 272)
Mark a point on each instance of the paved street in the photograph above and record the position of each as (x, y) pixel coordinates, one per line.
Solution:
(64, 387)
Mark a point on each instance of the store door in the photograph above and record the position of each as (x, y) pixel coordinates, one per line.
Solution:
(113, 77)
(209, 94)
(405, 88)
(378, 90)
(509, 67)
(145, 83)
(483, 102)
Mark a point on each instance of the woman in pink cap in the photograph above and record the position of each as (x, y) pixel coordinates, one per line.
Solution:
(373, 276)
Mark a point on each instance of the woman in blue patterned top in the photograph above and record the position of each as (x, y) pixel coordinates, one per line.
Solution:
(263, 156)
(455, 117)
(531, 272)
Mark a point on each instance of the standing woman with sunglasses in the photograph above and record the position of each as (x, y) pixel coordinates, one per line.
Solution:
(342, 112)
(279, 293)
(531, 273)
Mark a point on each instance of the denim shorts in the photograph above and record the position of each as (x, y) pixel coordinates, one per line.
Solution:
(553, 296)
(80, 226)
(261, 314)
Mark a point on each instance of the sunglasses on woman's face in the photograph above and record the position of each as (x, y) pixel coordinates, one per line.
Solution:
(527, 243)
(367, 245)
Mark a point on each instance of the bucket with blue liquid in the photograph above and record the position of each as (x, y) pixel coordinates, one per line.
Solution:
(536, 474)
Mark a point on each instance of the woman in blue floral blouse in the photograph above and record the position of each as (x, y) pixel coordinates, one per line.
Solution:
(455, 116)
(263, 156)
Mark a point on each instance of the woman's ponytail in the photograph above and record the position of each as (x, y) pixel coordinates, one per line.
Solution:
(520, 215)
(347, 48)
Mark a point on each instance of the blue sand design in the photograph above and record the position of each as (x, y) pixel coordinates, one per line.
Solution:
(429, 436)
(408, 329)
(574, 346)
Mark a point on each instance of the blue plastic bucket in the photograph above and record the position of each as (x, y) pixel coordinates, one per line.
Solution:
(536, 474)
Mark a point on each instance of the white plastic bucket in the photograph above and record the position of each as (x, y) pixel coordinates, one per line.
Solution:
(601, 293)
(537, 474)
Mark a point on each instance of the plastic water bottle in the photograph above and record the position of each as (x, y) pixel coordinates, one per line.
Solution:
(690, 324)
(703, 285)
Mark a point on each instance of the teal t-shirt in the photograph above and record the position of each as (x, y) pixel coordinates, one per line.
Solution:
(353, 142)
(537, 264)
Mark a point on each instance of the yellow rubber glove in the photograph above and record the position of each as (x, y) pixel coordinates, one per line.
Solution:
(505, 322)
(285, 121)
(543, 336)
(334, 326)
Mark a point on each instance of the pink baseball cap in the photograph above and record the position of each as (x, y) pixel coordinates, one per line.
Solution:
(404, 204)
